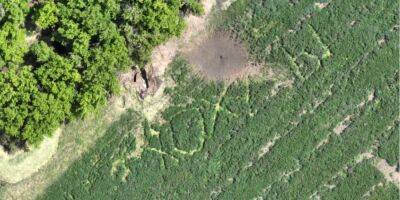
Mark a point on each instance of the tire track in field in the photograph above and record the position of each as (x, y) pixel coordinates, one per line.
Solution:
(362, 58)
(297, 27)
(374, 111)
(345, 76)
(285, 175)
(335, 180)
(358, 61)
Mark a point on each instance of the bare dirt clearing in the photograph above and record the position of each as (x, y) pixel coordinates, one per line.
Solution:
(321, 5)
(390, 172)
(220, 58)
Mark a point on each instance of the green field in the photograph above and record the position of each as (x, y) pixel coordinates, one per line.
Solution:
(255, 139)
(301, 134)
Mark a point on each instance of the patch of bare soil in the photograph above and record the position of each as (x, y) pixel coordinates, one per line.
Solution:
(342, 125)
(151, 89)
(363, 156)
(370, 98)
(224, 4)
(372, 189)
(221, 58)
(389, 172)
(267, 147)
(32, 38)
(347, 120)
(321, 5)
(281, 84)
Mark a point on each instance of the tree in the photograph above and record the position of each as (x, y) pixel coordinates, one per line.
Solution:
(71, 70)
(148, 23)
(47, 15)
(88, 36)
(12, 33)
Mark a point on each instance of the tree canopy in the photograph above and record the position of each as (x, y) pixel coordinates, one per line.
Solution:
(70, 69)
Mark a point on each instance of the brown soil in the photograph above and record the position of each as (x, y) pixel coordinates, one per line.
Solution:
(224, 4)
(218, 57)
(342, 125)
(388, 171)
(32, 38)
(321, 5)
(267, 147)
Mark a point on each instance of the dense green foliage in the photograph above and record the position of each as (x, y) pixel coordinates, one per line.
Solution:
(210, 145)
(87, 34)
(389, 145)
(148, 23)
(355, 183)
(387, 192)
(12, 32)
(70, 69)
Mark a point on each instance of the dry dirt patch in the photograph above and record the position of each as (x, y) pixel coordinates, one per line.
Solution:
(342, 125)
(321, 5)
(224, 4)
(267, 147)
(388, 171)
(219, 57)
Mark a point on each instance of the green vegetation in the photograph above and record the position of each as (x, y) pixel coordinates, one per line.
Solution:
(225, 138)
(120, 134)
(209, 145)
(59, 59)
(355, 183)
(12, 32)
(389, 146)
(256, 138)
(386, 192)
(149, 23)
